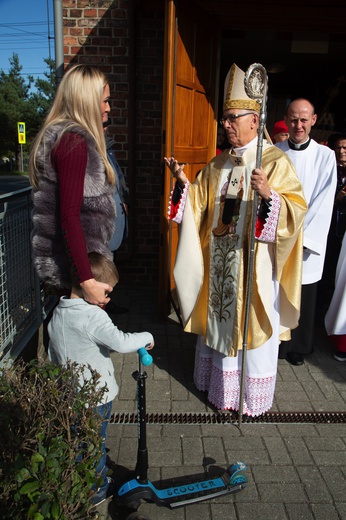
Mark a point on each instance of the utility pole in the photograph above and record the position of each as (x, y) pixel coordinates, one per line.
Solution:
(49, 36)
(59, 41)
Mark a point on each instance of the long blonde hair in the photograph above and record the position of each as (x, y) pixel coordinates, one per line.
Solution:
(77, 102)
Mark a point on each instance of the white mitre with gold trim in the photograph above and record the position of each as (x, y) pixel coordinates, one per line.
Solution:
(234, 91)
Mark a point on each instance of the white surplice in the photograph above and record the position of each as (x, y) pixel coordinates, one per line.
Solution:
(316, 170)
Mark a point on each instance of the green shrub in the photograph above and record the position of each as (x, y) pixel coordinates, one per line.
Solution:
(50, 442)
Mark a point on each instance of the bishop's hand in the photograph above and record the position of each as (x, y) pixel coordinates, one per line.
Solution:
(177, 169)
(259, 183)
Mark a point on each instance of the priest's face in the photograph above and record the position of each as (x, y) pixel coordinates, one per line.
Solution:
(240, 126)
(299, 119)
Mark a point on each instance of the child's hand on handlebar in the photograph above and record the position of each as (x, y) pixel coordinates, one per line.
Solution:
(150, 345)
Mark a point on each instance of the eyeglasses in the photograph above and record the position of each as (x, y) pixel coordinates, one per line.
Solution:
(233, 117)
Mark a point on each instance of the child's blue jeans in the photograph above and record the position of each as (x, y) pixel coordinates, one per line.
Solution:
(105, 411)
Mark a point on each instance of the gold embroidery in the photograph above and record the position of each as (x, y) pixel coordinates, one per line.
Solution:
(247, 104)
(223, 282)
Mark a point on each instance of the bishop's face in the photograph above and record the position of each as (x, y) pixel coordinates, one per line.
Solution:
(240, 126)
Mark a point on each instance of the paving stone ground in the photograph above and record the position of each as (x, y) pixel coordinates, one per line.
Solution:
(296, 471)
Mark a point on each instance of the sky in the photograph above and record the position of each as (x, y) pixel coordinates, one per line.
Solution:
(27, 29)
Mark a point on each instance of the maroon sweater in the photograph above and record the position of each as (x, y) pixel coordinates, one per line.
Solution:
(69, 159)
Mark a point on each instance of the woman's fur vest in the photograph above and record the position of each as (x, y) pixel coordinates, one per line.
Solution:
(97, 212)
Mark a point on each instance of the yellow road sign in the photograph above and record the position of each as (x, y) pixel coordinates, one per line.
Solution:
(21, 133)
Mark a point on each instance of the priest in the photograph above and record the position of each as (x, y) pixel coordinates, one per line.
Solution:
(316, 168)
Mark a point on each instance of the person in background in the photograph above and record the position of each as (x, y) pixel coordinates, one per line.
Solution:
(316, 168)
(84, 334)
(211, 264)
(221, 141)
(335, 319)
(73, 184)
(336, 142)
(121, 199)
(280, 132)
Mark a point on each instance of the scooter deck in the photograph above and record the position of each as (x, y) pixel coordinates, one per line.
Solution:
(185, 491)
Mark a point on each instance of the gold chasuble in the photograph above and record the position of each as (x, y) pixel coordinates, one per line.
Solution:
(211, 266)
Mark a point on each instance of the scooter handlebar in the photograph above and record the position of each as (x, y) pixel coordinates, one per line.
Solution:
(144, 356)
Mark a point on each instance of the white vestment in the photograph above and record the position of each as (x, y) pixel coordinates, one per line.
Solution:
(316, 170)
(335, 319)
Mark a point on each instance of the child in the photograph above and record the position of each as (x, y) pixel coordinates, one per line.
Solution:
(85, 334)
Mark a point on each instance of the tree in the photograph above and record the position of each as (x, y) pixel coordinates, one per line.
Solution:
(19, 103)
(14, 93)
(41, 100)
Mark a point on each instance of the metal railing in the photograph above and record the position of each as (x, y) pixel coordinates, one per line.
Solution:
(23, 305)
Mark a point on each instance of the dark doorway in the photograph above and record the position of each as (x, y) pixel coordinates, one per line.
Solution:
(307, 65)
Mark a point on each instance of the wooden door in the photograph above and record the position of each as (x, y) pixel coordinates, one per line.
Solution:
(191, 86)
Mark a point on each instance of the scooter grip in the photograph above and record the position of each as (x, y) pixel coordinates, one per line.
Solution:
(145, 357)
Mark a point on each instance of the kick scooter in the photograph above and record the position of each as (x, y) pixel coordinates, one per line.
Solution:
(176, 492)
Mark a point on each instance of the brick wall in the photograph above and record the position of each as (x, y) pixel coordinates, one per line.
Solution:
(125, 39)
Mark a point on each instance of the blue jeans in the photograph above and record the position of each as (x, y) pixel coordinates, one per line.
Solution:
(104, 411)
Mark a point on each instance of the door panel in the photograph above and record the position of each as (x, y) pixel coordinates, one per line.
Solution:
(190, 111)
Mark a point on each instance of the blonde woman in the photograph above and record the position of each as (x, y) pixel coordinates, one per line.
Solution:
(73, 184)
